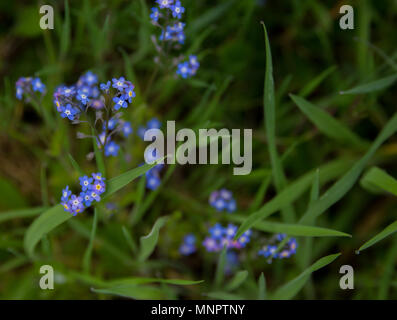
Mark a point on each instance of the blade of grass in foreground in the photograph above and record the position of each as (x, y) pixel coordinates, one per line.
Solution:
(390, 229)
(261, 287)
(134, 291)
(290, 229)
(55, 216)
(149, 242)
(293, 192)
(376, 179)
(344, 184)
(372, 86)
(290, 289)
(88, 252)
(327, 124)
(22, 213)
(237, 280)
(280, 180)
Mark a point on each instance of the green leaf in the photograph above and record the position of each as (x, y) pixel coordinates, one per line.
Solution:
(269, 106)
(75, 165)
(220, 268)
(56, 215)
(88, 252)
(293, 192)
(345, 183)
(208, 17)
(237, 280)
(313, 84)
(23, 213)
(220, 295)
(376, 179)
(138, 280)
(297, 230)
(134, 292)
(372, 86)
(328, 125)
(262, 287)
(291, 288)
(149, 242)
(390, 229)
(65, 36)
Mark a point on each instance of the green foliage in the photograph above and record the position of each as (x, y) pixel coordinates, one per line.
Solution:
(320, 102)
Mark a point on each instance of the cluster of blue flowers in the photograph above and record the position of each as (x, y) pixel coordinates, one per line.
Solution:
(222, 200)
(270, 250)
(167, 16)
(223, 236)
(188, 68)
(188, 245)
(29, 86)
(91, 190)
(74, 101)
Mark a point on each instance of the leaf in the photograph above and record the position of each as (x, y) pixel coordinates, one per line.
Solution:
(313, 84)
(149, 242)
(297, 230)
(220, 268)
(345, 183)
(65, 36)
(237, 280)
(138, 280)
(220, 295)
(328, 125)
(75, 165)
(292, 193)
(291, 288)
(134, 292)
(390, 229)
(372, 86)
(23, 213)
(208, 17)
(262, 287)
(269, 106)
(376, 179)
(88, 252)
(56, 215)
(122, 180)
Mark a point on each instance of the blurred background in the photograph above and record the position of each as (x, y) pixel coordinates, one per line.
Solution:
(312, 57)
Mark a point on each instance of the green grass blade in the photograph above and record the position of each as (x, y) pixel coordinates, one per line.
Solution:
(293, 192)
(297, 230)
(237, 280)
(220, 268)
(372, 86)
(22, 213)
(75, 165)
(313, 84)
(65, 36)
(269, 106)
(345, 183)
(262, 287)
(376, 179)
(129, 240)
(327, 124)
(88, 252)
(291, 288)
(149, 242)
(390, 229)
(56, 215)
(134, 292)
